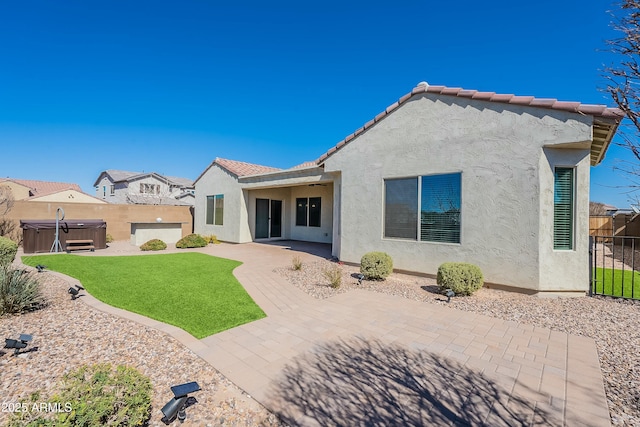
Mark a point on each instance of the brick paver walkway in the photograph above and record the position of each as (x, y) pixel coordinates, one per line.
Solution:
(364, 358)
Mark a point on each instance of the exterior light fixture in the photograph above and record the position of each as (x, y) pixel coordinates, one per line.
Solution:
(40, 268)
(18, 344)
(360, 278)
(75, 291)
(449, 293)
(176, 407)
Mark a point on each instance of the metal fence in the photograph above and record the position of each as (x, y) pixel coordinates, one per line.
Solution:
(614, 266)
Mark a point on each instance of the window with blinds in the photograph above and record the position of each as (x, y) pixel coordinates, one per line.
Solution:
(425, 208)
(215, 209)
(401, 208)
(440, 208)
(563, 212)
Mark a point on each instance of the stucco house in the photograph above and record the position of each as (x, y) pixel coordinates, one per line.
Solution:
(46, 191)
(140, 188)
(443, 174)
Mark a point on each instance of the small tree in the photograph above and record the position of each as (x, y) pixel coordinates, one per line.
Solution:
(8, 227)
(623, 82)
(597, 209)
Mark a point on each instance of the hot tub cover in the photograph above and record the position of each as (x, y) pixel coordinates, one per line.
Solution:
(45, 224)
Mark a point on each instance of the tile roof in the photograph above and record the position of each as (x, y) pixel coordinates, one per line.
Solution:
(120, 176)
(44, 187)
(242, 168)
(613, 114)
(306, 165)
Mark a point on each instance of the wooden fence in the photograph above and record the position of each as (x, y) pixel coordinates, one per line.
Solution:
(616, 225)
(600, 226)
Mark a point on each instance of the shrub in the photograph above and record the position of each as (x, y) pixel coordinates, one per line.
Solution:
(297, 263)
(19, 290)
(460, 277)
(10, 230)
(8, 250)
(97, 395)
(109, 238)
(211, 239)
(333, 275)
(376, 265)
(153, 245)
(191, 241)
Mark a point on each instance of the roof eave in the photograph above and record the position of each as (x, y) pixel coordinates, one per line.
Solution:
(603, 131)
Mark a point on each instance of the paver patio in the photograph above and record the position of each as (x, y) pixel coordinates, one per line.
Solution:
(365, 358)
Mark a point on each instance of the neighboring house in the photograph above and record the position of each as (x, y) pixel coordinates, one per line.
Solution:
(47, 191)
(115, 186)
(443, 174)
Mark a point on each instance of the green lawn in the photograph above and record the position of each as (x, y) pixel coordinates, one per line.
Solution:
(193, 291)
(617, 282)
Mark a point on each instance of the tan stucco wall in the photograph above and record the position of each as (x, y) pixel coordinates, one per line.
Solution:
(18, 191)
(67, 196)
(498, 149)
(117, 217)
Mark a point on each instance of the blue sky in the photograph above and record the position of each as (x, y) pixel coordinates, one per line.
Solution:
(168, 86)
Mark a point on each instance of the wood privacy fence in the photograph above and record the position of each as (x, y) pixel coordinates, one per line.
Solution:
(600, 226)
(118, 217)
(616, 225)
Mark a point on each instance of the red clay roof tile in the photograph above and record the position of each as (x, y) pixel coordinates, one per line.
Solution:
(44, 187)
(243, 168)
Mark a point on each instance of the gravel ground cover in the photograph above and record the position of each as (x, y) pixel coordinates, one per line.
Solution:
(614, 324)
(69, 334)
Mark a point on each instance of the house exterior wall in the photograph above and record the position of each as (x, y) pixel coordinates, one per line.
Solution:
(18, 191)
(563, 270)
(103, 191)
(235, 226)
(283, 194)
(67, 196)
(506, 195)
(322, 234)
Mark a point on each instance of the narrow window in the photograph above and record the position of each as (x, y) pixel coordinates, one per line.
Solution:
(301, 211)
(314, 211)
(440, 208)
(113, 190)
(219, 209)
(215, 210)
(104, 191)
(401, 208)
(563, 190)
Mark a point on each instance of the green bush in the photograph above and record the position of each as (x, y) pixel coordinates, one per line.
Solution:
(153, 245)
(98, 395)
(191, 241)
(8, 250)
(19, 290)
(376, 265)
(460, 277)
